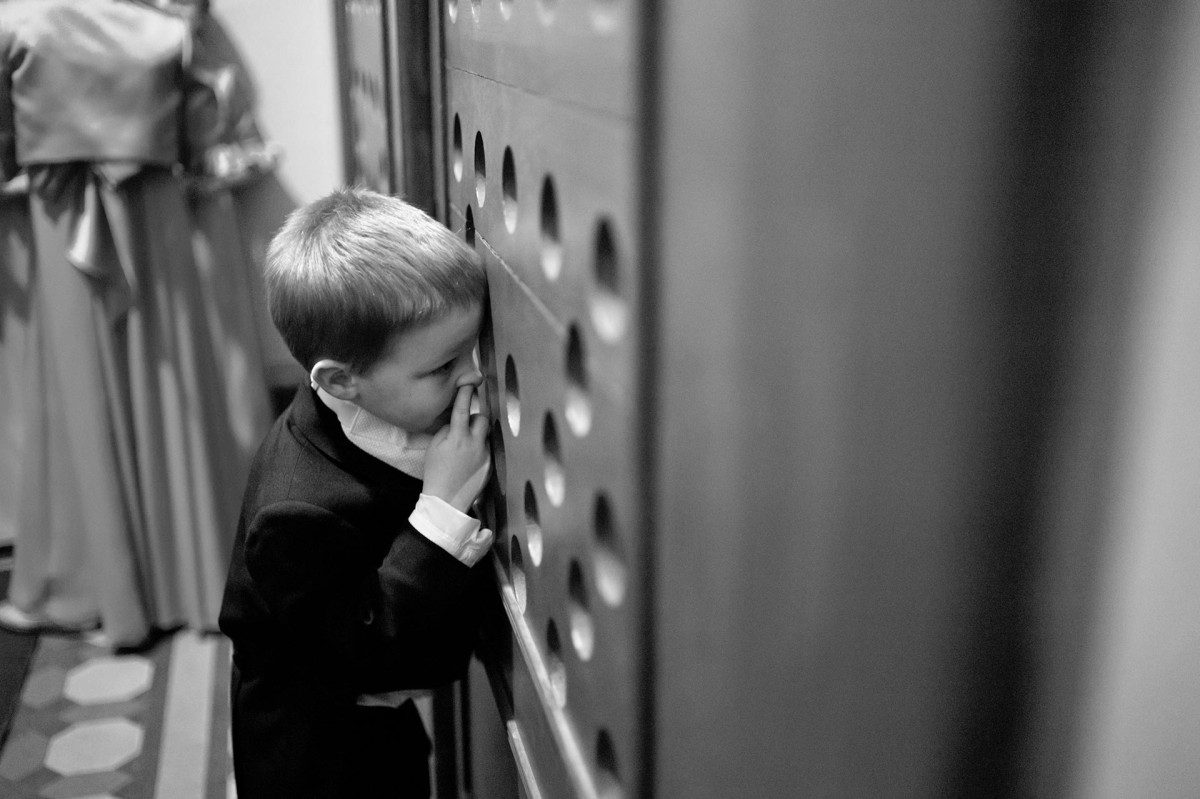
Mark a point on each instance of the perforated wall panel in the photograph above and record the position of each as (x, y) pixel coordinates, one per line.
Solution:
(541, 144)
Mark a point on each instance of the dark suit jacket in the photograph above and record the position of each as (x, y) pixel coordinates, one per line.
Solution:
(331, 594)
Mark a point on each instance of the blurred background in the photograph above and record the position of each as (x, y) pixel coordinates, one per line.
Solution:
(842, 358)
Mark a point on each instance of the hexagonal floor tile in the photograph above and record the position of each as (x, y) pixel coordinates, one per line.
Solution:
(94, 746)
(108, 679)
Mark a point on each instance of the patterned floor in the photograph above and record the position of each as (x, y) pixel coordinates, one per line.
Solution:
(95, 725)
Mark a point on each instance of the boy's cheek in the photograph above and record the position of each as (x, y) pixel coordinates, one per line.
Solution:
(443, 418)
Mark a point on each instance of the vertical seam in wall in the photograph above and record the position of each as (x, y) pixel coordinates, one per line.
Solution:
(342, 58)
(648, 199)
(437, 91)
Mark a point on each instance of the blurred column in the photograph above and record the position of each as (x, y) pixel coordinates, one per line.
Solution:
(921, 377)
(1140, 729)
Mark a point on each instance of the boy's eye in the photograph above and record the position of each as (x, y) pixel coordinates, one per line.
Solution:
(446, 367)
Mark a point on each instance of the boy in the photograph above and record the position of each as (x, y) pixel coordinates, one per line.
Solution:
(353, 576)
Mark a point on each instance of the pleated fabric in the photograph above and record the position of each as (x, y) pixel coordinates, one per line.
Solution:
(15, 344)
(132, 350)
(143, 408)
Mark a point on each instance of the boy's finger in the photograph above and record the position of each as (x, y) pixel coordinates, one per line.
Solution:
(479, 404)
(460, 414)
(479, 425)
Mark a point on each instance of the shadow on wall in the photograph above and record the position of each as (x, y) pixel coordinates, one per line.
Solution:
(262, 207)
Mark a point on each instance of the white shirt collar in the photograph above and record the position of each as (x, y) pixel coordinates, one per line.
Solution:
(394, 446)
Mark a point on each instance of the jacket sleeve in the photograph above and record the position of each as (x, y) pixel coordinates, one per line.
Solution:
(411, 623)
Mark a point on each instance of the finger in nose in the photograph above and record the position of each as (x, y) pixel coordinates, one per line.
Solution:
(471, 378)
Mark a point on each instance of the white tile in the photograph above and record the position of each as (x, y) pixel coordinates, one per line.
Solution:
(94, 746)
(109, 679)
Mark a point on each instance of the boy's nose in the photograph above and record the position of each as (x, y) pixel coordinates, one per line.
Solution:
(472, 377)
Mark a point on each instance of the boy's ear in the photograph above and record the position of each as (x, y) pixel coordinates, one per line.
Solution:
(336, 378)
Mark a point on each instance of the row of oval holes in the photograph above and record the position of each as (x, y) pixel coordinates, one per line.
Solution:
(608, 316)
(603, 12)
(578, 410)
(608, 568)
(608, 310)
(608, 565)
(611, 583)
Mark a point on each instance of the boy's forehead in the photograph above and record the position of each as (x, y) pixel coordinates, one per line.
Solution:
(442, 334)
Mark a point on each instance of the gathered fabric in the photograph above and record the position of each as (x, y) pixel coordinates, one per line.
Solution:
(123, 129)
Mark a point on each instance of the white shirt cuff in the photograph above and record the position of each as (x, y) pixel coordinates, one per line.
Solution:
(451, 529)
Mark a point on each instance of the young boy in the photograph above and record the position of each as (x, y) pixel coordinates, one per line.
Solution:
(353, 578)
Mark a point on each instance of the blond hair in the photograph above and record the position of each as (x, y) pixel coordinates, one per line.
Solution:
(349, 271)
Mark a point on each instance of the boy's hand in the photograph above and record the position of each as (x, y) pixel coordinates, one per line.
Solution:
(458, 458)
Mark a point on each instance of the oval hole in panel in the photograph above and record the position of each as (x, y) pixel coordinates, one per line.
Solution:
(512, 396)
(610, 571)
(608, 780)
(583, 632)
(480, 170)
(516, 571)
(469, 228)
(554, 664)
(498, 465)
(456, 153)
(556, 479)
(552, 255)
(609, 313)
(487, 352)
(533, 525)
(578, 411)
(452, 9)
(508, 180)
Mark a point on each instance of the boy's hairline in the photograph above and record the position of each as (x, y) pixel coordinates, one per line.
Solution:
(357, 366)
(294, 244)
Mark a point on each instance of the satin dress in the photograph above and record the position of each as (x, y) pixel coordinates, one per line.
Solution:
(140, 372)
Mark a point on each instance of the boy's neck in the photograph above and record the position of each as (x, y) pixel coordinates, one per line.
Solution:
(393, 445)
